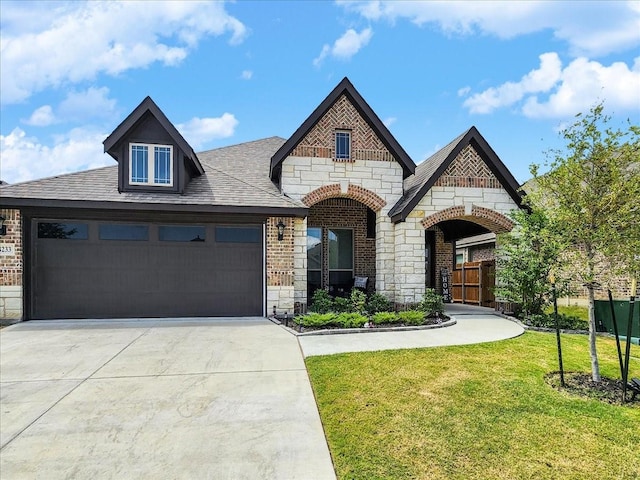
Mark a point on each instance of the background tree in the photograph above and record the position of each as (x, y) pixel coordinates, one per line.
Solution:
(525, 257)
(590, 195)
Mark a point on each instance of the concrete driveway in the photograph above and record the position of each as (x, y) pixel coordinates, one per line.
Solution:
(179, 399)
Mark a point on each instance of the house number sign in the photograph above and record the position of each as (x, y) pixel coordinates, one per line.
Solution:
(7, 250)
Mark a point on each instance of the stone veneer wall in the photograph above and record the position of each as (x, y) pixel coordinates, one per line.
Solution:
(357, 180)
(347, 213)
(11, 267)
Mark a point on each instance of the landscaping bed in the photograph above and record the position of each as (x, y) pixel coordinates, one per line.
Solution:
(359, 311)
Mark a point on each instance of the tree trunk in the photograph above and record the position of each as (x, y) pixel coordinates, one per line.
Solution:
(595, 367)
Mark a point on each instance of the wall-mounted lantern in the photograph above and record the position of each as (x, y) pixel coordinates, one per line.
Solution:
(280, 226)
(3, 227)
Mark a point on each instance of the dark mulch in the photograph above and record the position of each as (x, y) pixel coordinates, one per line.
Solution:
(580, 384)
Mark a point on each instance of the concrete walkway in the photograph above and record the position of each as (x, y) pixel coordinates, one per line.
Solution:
(161, 399)
(474, 325)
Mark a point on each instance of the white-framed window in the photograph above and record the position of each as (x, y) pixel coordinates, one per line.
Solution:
(343, 144)
(150, 164)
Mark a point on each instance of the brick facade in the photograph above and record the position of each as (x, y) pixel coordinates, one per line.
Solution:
(346, 213)
(11, 266)
(365, 144)
(280, 265)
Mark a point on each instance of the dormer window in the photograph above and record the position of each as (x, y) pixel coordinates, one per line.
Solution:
(343, 145)
(150, 164)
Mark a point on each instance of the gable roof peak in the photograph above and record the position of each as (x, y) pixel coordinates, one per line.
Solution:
(148, 105)
(345, 87)
(430, 170)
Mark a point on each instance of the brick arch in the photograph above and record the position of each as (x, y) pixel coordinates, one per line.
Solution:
(490, 219)
(354, 192)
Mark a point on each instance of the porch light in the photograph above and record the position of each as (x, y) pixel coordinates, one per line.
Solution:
(3, 227)
(280, 226)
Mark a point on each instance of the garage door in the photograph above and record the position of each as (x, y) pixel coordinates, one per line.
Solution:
(92, 269)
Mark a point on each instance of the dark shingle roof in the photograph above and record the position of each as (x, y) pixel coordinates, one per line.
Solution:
(428, 172)
(236, 179)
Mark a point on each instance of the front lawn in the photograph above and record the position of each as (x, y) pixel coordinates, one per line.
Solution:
(474, 412)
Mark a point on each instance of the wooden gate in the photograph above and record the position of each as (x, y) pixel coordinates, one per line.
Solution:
(473, 283)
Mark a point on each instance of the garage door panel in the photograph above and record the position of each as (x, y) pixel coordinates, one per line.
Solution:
(95, 278)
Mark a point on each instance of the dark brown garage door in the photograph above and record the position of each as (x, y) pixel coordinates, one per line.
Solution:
(91, 269)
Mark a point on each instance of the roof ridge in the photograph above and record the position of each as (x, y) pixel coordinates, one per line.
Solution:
(67, 174)
(244, 143)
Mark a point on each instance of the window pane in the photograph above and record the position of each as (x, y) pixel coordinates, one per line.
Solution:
(123, 232)
(343, 144)
(314, 249)
(75, 231)
(239, 234)
(181, 233)
(139, 164)
(341, 249)
(162, 166)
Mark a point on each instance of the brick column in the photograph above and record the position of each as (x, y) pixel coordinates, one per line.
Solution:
(11, 266)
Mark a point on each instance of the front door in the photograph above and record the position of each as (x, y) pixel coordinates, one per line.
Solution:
(430, 259)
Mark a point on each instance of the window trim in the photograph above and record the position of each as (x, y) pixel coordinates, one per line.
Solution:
(342, 156)
(151, 164)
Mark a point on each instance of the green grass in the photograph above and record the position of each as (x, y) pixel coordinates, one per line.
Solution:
(474, 412)
(572, 310)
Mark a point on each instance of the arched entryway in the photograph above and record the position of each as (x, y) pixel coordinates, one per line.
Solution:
(450, 235)
(341, 237)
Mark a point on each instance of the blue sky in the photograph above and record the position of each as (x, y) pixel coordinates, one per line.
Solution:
(231, 72)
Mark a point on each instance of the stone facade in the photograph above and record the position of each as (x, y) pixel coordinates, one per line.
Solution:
(11, 266)
(371, 177)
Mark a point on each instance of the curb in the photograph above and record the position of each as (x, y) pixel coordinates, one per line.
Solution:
(347, 331)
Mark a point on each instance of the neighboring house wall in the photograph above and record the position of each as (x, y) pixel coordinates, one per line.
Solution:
(11, 265)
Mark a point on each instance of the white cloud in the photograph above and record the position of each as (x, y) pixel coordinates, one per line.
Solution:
(539, 80)
(26, 158)
(346, 46)
(199, 131)
(90, 103)
(246, 75)
(389, 121)
(586, 82)
(568, 90)
(41, 117)
(83, 39)
(580, 24)
(462, 92)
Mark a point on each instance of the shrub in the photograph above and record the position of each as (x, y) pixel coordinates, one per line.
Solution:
(384, 317)
(358, 300)
(321, 302)
(412, 317)
(567, 322)
(378, 303)
(350, 320)
(341, 305)
(316, 319)
(432, 304)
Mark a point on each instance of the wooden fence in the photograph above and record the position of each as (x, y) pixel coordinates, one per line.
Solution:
(473, 283)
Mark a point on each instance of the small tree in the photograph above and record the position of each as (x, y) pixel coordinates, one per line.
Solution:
(525, 257)
(591, 197)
